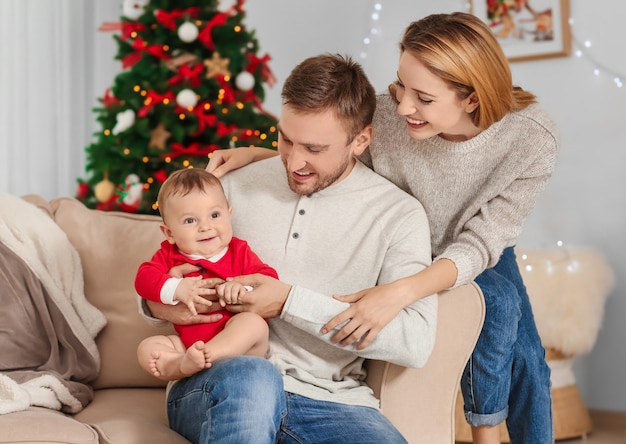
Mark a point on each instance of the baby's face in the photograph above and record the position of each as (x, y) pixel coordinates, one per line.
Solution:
(199, 223)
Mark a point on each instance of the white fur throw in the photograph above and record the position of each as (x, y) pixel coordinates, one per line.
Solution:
(42, 391)
(567, 289)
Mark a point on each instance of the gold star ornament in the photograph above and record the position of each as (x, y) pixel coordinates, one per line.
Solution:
(159, 136)
(216, 65)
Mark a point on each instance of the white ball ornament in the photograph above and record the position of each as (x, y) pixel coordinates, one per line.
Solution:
(244, 81)
(188, 32)
(186, 98)
(133, 9)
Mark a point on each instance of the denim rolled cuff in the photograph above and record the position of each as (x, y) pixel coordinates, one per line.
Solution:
(491, 419)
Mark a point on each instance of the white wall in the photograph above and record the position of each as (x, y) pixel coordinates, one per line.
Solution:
(585, 203)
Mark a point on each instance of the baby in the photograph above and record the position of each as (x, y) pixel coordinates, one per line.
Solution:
(198, 231)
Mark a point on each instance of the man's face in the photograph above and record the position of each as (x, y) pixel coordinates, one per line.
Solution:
(314, 149)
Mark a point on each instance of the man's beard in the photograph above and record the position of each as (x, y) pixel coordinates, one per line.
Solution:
(322, 181)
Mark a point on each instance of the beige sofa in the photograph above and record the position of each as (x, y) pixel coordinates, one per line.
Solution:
(129, 405)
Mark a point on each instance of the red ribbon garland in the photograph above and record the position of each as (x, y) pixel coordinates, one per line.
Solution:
(127, 28)
(195, 149)
(152, 99)
(140, 46)
(246, 134)
(109, 99)
(224, 130)
(229, 92)
(168, 19)
(188, 73)
(266, 72)
(203, 119)
(205, 34)
(251, 97)
(160, 176)
(110, 26)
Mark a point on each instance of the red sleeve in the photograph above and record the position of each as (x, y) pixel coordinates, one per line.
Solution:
(151, 275)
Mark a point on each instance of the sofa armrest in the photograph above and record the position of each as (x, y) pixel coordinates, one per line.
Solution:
(421, 402)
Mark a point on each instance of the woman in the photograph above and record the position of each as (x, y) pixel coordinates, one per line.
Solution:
(477, 152)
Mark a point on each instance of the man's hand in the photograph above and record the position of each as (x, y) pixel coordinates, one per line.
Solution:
(182, 270)
(266, 299)
(180, 314)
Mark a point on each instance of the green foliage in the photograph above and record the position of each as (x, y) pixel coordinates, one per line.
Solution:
(127, 162)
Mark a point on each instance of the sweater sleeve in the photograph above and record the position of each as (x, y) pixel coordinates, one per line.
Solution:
(495, 227)
(499, 220)
(409, 338)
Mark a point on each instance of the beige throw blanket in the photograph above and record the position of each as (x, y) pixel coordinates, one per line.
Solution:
(48, 353)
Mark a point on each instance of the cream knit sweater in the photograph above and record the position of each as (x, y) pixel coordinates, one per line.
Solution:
(355, 234)
(477, 193)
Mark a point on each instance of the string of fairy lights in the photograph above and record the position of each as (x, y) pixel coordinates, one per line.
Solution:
(583, 49)
(373, 30)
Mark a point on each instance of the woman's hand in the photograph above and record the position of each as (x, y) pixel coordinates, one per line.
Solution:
(374, 308)
(223, 161)
(370, 312)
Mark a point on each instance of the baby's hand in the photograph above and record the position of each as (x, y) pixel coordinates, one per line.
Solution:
(231, 292)
(189, 291)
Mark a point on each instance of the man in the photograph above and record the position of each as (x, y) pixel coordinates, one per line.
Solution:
(333, 227)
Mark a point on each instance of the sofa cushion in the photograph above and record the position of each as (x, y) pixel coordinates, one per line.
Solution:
(129, 416)
(111, 246)
(44, 426)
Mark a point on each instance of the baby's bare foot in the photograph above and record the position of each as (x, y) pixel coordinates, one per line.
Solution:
(153, 364)
(194, 359)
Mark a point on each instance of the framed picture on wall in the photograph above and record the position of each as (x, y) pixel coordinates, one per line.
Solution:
(528, 29)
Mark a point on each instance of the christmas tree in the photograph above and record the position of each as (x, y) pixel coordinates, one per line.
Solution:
(192, 83)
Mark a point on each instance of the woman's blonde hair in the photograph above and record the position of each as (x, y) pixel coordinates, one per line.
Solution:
(460, 49)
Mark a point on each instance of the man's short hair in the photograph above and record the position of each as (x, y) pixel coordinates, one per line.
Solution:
(332, 82)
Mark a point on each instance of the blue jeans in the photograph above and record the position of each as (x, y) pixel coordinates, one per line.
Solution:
(507, 377)
(241, 400)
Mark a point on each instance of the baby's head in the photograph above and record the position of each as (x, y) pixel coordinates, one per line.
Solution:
(195, 212)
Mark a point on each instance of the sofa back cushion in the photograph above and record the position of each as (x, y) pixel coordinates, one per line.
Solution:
(111, 246)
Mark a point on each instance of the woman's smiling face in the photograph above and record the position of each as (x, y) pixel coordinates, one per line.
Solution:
(430, 105)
